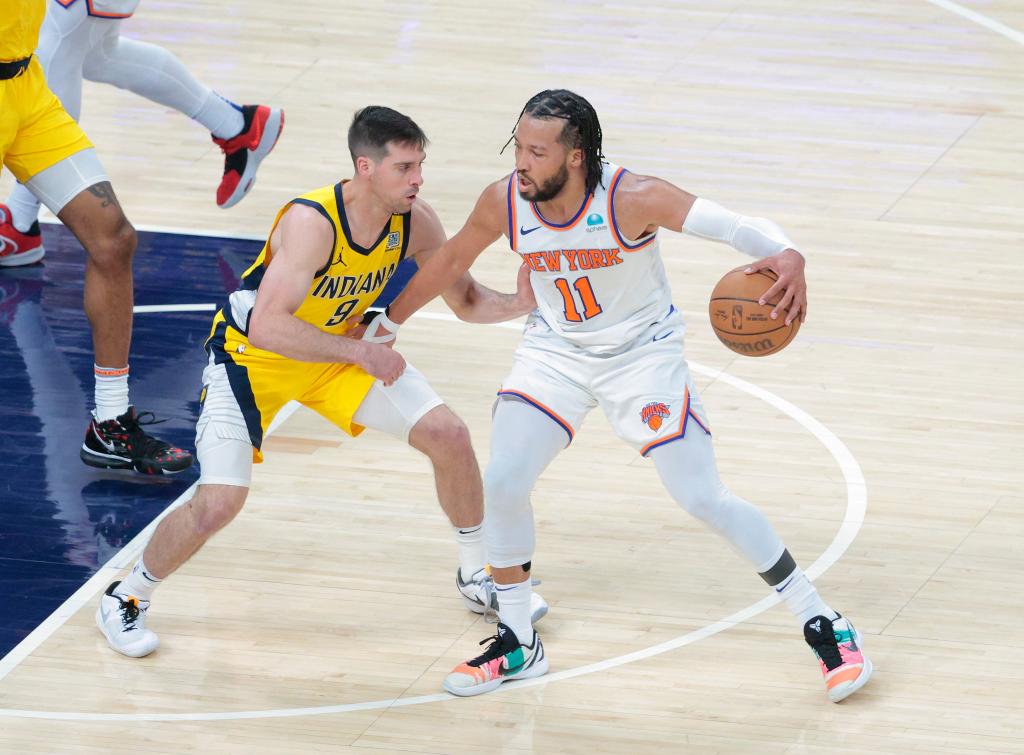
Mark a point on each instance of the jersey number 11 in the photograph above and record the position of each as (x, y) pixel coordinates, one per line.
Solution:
(585, 291)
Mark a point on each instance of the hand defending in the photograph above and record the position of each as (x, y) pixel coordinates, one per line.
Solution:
(383, 362)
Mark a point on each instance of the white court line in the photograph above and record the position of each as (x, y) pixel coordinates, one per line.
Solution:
(140, 309)
(48, 218)
(99, 581)
(988, 23)
(856, 507)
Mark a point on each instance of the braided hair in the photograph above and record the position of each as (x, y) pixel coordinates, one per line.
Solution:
(581, 130)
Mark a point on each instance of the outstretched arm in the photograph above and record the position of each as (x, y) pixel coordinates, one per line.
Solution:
(469, 299)
(472, 301)
(446, 266)
(301, 245)
(645, 203)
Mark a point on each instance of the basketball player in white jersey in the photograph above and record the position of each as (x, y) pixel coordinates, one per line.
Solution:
(82, 38)
(605, 333)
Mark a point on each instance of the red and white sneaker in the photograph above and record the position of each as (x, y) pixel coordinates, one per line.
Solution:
(243, 153)
(838, 647)
(17, 248)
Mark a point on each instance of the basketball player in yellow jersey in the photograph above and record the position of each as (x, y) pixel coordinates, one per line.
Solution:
(48, 152)
(282, 337)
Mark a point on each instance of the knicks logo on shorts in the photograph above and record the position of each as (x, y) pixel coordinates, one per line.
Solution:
(654, 414)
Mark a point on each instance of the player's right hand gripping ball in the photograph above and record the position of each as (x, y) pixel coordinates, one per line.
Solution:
(740, 322)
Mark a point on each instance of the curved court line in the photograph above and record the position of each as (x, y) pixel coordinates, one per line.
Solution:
(856, 507)
(988, 23)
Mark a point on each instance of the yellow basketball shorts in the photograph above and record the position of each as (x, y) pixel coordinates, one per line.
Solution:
(243, 394)
(35, 130)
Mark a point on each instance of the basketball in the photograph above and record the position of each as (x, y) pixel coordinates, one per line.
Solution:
(740, 322)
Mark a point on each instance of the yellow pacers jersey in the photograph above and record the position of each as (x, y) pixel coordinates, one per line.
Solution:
(349, 282)
(19, 27)
(353, 277)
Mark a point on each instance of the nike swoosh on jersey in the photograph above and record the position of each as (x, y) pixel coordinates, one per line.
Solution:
(525, 231)
(663, 337)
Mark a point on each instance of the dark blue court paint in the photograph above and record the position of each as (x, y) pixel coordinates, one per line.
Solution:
(60, 520)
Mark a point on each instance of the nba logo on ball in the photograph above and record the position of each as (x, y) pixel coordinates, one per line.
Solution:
(739, 319)
(654, 414)
(737, 316)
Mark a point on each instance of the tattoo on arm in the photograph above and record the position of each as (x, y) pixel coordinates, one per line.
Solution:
(105, 193)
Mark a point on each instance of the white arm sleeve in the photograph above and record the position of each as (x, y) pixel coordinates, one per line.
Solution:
(756, 237)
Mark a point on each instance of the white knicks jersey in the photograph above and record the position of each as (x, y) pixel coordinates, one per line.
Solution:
(113, 9)
(594, 288)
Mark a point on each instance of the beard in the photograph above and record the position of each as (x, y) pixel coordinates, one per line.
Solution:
(548, 190)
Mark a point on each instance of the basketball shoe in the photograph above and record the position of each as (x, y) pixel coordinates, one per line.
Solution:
(17, 248)
(122, 444)
(505, 660)
(244, 152)
(480, 596)
(838, 647)
(122, 619)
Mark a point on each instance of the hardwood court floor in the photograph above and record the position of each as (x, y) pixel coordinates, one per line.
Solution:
(885, 137)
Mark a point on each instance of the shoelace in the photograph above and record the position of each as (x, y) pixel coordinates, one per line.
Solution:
(129, 612)
(496, 650)
(488, 587)
(829, 652)
(142, 443)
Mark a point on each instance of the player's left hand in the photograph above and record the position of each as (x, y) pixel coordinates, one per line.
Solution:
(355, 327)
(524, 289)
(789, 266)
(358, 324)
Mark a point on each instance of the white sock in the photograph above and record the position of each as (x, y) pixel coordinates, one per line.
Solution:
(24, 208)
(139, 583)
(471, 550)
(802, 598)
(222, 117)
(111, 392)
(514, 609)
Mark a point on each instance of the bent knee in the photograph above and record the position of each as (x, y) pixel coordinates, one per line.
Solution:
(217, 507)
(705, 504)
(116, 247)
(442, 434)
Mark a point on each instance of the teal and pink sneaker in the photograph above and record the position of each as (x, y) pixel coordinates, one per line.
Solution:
(505, 660)
(838, 646)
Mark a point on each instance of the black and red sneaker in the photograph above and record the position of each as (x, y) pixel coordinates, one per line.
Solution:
(122, 444)
(17, 248)
(242, 153)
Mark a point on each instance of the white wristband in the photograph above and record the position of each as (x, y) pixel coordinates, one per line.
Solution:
(756, 237)
(381, 320)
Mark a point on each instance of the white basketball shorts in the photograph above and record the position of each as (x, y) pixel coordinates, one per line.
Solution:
(645, 390)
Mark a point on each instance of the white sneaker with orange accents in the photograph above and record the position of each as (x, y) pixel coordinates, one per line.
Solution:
(122, 619)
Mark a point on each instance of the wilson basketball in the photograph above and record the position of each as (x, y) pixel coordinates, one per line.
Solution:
(740, 322)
